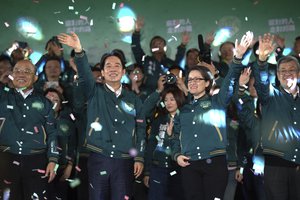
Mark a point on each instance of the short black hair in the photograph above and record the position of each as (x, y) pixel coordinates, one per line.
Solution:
(155, 38)
(113, 53)
(5, 58)
(54, 40)
(192, 50)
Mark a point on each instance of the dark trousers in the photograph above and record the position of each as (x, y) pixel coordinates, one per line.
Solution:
(282, 183)
(110, 178)
(159, 183)
(19, 175)
(82, 189)
(58, 189)
(205, 179)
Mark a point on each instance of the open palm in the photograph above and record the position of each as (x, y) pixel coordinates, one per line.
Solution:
(71, 40)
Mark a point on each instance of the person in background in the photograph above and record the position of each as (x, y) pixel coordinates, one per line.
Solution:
(66, 141)
(156, 64)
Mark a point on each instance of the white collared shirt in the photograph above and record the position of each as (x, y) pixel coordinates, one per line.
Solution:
(24, 94)
(117, 92)
(295, 95)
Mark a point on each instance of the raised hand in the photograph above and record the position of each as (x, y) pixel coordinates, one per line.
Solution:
(266, 46)
(71, 40)
(241, 48)
(185, 38)
(280, 41)
(245, 76)
(210, 37)
(139, 23)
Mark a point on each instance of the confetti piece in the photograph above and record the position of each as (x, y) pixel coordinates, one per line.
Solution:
(113, 6)
(76, 12)
(72, 117)
(6, 24)
(29, 132)
(180, 74)
(11, 77)
(217, 198)
(173, 173)
(143, 58)
(246, 19)
(58, 148)
(91, 186)
(121, 5)
(57, 12)
(88, 9)
(73, 1)
(133, 152)
(16, 163)
(91, 22)
(34, 196)
(103, 173)
(19, 143)
(71, 7)
(241, 170)
(241, 101)
(77, 168)
(6, 182)
(6, 89)
(174, 37)
(64, 102)
(165, 48)
(126, 197)
(177, 26)
(36, 130)
(83, 17)
(162, 104)
(139, 120)
(60, 22)
(155, 49)
(54, 106)
(41, 171)
(96, 126)
(56, 167)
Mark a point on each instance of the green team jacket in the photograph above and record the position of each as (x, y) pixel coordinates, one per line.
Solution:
(280, 124)
(115, 125)
(200, 128)
(27, 126)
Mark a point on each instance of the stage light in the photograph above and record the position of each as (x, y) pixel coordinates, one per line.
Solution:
(29, 28)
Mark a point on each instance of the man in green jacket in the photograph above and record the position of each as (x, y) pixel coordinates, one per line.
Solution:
(115, 126)
(27, 136)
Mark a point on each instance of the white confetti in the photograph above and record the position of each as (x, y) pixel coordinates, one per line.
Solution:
(246, 19)
(28, 132)
(71, 7)
(155, 49)
(241, 101)
(57, 12)
(54, 106)
(96, 126)
(76, 12)
(177, 26)
(143, 58)
(11, 77)
(6, 24)
(72, 117)
(103, 173)
(60, 22)
(162, 104)
(88, 9)
(64, 102)
(173, 173)
(91, 22)
(16, 163)
(83, 17)
(113, 6)
(9, 107)
(174, 37)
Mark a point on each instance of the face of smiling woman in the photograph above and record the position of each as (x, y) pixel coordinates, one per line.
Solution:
(197, 84)
(24, 75)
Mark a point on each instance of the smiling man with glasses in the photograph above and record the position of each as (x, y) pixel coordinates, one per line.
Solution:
(27, 136)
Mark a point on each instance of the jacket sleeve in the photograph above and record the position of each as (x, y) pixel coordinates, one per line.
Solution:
(150, 147)
(262, 82)
(140, 131)
(136, 48)
(180, 54)
(150, 103)
(86, 79)
(175, 140)
(229, 82)
(51, 131)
